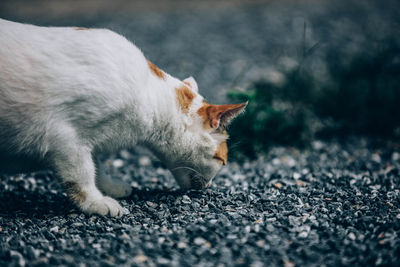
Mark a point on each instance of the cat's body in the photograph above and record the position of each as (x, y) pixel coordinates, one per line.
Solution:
(67, 94)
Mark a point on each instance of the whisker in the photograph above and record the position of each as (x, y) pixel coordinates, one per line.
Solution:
(183, 162)
(184, 167)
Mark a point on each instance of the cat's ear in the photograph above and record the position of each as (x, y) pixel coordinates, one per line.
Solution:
(191, 83)
(220, 115)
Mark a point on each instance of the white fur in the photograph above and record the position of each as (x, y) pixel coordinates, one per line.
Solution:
(192, 83)
(67, 94)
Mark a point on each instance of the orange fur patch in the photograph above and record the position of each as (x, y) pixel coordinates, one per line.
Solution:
(81, 29)
(155, 70)
(211, 114)
(184, 97)
(75, 192)
(222, 153)
(204, 113)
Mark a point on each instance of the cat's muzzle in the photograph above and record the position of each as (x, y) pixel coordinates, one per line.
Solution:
(197, 182)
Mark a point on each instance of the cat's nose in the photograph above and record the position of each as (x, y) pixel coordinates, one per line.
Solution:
(208, 184)
(196, 184)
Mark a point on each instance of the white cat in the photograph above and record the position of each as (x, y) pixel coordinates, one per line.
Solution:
(67, 94)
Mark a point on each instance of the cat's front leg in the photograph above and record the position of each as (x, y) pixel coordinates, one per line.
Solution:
(109, 186)
(74, 165)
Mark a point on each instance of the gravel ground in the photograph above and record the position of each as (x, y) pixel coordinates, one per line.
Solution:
(331, 205)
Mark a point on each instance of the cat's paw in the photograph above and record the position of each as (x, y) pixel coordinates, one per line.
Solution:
(104, 206)
(117, 189)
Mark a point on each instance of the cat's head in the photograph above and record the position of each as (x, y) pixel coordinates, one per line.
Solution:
(203, 149)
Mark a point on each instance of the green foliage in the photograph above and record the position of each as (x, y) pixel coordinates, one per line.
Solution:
(262, 125)
(362, 98)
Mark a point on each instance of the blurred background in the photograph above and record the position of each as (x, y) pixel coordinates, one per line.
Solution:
(310, 69)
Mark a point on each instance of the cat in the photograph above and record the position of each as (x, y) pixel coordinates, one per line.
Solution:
(68, 94)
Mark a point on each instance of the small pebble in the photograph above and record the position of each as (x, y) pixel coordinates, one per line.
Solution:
(144, 161)
(199, 241)
(352, 236)
(118, 163)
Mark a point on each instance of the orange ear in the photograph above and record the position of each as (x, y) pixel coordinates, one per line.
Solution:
(219, 115)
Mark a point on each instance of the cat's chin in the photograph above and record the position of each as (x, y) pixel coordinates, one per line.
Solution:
(199, 184)
(191, 184)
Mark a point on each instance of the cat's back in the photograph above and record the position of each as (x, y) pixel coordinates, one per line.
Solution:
(55, 66)
(65, 52)
(48, 38)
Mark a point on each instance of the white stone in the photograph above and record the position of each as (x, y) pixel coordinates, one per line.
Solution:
(118, 163)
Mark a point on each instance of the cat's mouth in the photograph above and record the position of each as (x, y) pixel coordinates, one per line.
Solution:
(198, 182)
(190, 178)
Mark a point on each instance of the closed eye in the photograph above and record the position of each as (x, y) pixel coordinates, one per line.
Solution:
(220, 160)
